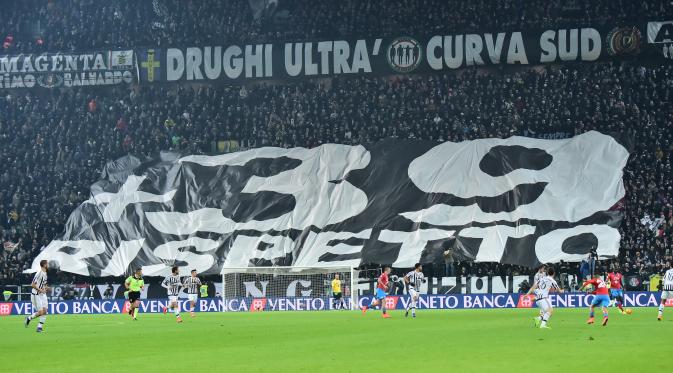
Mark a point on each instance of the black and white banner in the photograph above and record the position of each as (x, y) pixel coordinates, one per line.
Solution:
(660, 36)
(68, 70)
(518, 200)
(386, 56)
(302, 59)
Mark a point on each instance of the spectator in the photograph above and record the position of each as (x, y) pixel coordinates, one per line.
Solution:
(585, 269)
(55, 141)
(449, 263)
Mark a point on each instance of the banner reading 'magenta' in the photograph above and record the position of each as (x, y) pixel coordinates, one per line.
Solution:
(380, 56)
(53, 70)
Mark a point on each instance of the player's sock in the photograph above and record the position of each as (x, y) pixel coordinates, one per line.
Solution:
(605, 315)
(413, 311)
(176, 310)
(591, 313)
(661, 309)
(32, 316)
(135, 313)
(619, 305)
(544, 318)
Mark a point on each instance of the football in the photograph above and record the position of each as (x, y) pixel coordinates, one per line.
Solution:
(629, 311)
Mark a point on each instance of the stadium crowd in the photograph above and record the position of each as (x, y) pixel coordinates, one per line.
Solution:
(69, 25)
(54, 142)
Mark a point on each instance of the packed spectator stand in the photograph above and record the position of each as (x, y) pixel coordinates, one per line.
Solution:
(68, 25)
(54, 142)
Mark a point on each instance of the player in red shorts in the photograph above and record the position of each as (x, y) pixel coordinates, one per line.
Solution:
(381, 293)
(616, 290)
(601, 298)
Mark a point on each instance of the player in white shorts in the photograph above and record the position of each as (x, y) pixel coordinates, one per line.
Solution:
(541, 290)
(541, 272)
(414, 279)
(666, 290)
(38, 296)
(192, 284)
(173, 284)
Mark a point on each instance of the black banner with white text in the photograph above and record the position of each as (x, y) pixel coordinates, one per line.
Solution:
(518, 200)
(385, 56)
(68, 70)
(290, 60)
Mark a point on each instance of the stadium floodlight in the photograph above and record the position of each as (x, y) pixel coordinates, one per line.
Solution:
(264, 288)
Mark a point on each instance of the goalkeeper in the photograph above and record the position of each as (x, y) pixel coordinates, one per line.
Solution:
(337, 298)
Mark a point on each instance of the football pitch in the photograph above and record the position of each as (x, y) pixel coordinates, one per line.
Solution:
(340, 341)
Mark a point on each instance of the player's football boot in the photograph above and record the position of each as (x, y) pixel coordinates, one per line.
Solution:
(545, 327)
(660, 317)
(27, 321)
(537, 321)
(590, 321)
(605, 321)
(165, 310)
(406, 314)
(179, 319)
(364, 309)
(39, 329)
(192, 314)
(386, 316)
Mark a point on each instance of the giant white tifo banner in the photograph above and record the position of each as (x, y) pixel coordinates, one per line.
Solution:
(517, 200)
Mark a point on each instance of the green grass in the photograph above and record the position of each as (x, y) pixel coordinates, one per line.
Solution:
(340, 341)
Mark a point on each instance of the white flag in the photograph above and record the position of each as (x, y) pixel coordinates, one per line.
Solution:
(121, 59)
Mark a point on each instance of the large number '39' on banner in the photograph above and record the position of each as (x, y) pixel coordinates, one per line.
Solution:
(517, 200)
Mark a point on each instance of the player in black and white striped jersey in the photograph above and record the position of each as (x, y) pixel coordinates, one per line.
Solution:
(173, 284)
(38, 296)
(666, 290)
(414, 279)
(192, 284)
(541, 289)
(541, 272)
